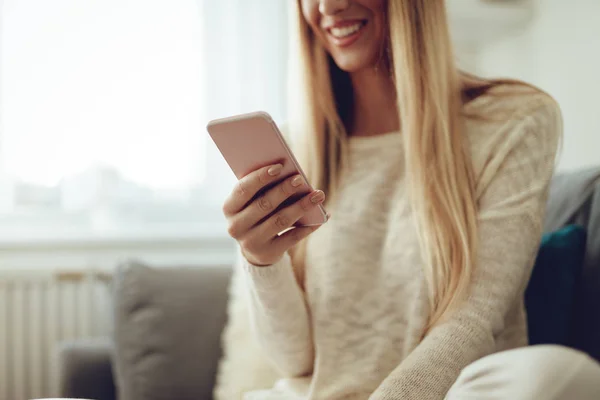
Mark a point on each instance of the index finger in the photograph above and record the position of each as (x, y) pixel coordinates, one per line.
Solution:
(248, 186)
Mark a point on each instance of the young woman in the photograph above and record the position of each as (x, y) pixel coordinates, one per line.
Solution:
(436, 185)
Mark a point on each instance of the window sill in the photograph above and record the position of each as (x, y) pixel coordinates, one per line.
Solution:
(73, 250)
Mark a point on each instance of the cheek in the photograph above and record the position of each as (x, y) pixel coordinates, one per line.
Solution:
(381, 28)
(378, 10)
(378, 5)
(311, 15)
(310, 12)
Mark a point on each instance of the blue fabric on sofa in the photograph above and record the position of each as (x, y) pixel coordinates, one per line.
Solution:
(550, 295)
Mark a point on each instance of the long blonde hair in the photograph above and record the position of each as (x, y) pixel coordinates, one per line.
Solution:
(430, 96)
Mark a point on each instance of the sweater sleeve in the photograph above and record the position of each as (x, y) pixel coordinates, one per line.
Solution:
(280, 317)
(512, 192)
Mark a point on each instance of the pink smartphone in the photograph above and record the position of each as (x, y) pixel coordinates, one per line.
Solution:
(252, 141)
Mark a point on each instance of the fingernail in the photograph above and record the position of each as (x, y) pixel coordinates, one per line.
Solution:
(318, 197)
(275, 170)
(297, 181)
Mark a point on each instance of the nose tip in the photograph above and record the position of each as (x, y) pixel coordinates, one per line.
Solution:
(332, 7)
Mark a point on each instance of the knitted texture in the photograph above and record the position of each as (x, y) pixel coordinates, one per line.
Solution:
(356, 332)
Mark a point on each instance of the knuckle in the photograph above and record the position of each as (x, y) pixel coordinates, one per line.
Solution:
(264, 204)
(228, 207)
(233, 230)
(248, 245)
(263, 177)
(283, 187)
(240, 188)
(305, 204)
(281, 221)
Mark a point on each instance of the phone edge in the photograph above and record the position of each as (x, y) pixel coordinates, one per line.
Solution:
(267, 117)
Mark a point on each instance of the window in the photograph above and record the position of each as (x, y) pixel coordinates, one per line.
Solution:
(104, 103)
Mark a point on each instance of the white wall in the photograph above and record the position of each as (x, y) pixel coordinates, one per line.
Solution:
(560, 52)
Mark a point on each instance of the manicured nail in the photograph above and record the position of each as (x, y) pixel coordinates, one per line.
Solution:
(318, 197)
(297, 181)
(275, 170)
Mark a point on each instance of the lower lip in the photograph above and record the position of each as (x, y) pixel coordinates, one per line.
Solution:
(347, 40)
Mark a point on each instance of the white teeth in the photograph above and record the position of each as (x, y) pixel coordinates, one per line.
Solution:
(346, 30)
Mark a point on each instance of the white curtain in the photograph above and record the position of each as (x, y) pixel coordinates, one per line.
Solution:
(104, 103)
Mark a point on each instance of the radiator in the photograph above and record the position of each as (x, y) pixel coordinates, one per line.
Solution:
(37, 311)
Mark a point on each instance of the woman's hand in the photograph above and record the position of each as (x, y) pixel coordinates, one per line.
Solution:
(253, 221)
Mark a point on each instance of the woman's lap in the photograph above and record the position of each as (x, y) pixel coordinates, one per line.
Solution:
(531, 373)
(535, 372)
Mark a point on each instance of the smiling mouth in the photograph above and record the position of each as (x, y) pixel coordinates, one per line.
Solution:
(343, 32)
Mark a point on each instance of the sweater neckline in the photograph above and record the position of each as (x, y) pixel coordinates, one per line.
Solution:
(374, 141)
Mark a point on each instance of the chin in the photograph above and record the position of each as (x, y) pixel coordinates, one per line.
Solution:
(353, 64)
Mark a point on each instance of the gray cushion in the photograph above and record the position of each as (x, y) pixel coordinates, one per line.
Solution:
(168, 324)
(568, 193)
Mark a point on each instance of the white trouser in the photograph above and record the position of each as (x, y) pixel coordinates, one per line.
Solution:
(530, 373)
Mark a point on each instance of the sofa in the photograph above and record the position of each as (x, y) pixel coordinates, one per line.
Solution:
(167, 322)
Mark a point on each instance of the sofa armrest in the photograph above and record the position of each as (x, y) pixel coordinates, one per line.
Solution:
(85, 369)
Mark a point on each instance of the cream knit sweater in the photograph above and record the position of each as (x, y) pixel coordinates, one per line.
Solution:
(355, 332)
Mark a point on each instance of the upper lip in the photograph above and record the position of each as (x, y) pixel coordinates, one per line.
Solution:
(342, 23)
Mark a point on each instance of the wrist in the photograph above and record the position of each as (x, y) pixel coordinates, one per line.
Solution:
(258, 263)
